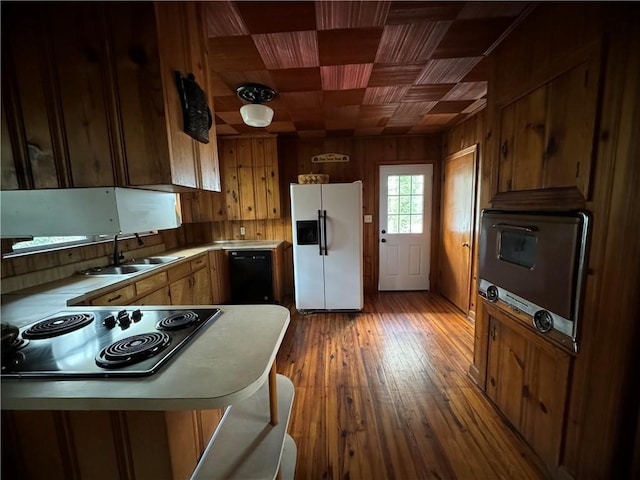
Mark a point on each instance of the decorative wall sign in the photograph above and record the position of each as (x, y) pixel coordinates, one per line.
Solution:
(329, 158)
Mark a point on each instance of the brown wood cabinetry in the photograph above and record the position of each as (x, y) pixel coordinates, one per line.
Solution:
(184, 284)
(527, 379)
(250, 178)
(220, 290)
(195, 287)
(547, 137)
(103, 444)
(92, 98)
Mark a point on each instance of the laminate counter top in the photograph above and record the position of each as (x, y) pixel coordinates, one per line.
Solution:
(228, 362)
(31, 304)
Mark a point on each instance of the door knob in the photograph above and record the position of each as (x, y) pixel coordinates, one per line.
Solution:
(384, 240)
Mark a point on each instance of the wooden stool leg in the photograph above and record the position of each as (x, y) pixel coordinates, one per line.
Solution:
(273, 395)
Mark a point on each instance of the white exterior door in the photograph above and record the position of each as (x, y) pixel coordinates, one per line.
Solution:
(405, 226)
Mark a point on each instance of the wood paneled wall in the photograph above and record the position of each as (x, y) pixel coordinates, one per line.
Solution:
(366, 155)
(37, 268)
(603, 408)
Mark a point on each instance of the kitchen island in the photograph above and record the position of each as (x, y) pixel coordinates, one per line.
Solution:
(228, 364)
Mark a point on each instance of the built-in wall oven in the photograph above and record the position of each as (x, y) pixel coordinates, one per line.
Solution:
(536, 264)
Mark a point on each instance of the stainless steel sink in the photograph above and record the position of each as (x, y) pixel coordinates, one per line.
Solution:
(120, 270)
(153, 260)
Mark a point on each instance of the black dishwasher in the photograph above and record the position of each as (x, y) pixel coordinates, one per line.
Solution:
(251, 276)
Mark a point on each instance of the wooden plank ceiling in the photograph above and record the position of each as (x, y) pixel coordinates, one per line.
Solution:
(355, 68)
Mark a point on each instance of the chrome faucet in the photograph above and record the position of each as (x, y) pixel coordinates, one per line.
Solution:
(117, 256)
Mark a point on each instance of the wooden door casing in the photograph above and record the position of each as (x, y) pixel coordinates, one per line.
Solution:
(457, 240)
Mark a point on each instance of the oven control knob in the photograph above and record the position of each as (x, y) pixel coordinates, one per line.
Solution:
(123, 319)
(543, 321)
(492, 293)
(110, 321)
(136, 315)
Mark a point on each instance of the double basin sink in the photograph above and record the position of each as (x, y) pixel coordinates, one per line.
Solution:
(132, 266)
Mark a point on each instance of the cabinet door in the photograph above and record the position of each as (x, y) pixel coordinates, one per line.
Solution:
(201, 287)
(522, 142)
(547, 136)
(545, 393)
(33, 155)
(219, 277)
(173, 41)
(138, 78)
(207, 153)
(181, 292)
(506, 369)
(159, 297)
(570, 127)
(80, 59)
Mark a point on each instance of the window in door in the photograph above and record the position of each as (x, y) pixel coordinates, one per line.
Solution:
(405, 203)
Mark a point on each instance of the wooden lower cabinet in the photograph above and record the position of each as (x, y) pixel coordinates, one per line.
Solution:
(159, 297)
(220, 285)
(527, 379)
(194, 289)
(104, 445)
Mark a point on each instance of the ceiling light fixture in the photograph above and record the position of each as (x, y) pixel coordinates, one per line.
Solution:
(255, 114)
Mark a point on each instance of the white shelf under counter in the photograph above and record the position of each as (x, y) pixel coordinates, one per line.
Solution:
(246, 445)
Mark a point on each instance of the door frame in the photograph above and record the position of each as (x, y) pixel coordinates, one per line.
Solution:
(473, 264)
(435, 217)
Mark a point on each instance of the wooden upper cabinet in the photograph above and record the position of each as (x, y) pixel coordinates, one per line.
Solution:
(251, 178)
(92, 99)
(34, 154)
(547, 137)
(151, 43)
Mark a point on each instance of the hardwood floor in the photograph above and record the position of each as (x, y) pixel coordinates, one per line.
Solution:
(384, 394)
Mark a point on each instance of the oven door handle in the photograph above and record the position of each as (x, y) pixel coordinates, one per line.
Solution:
(524, 228)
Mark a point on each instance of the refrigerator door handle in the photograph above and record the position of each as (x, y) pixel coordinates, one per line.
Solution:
(324, 223)
(319, 232)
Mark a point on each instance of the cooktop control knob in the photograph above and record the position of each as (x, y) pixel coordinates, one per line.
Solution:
(136, 315)
(543, 321)
(492, 293)
(123, 319)
(109, 321)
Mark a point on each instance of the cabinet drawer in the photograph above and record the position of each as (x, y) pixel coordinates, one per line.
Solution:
(151, 283)
(116, 297)
(198, 263)
(179, 271)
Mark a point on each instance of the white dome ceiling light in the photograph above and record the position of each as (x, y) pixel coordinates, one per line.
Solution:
(255, 114)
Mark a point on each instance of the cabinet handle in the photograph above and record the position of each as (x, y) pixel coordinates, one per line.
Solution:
(494, 333)
(113, 299)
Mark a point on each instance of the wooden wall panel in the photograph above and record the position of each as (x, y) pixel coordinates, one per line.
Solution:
(38, 268)
(366, 155)
(554, 39)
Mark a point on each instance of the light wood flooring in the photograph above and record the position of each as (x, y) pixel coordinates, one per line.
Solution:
(384, 394)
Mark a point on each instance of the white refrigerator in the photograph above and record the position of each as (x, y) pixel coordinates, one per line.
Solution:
(327, 246)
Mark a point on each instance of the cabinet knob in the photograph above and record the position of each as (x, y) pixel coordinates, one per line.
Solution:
(384, 240)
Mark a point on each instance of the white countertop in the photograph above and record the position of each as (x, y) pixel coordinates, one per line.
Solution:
(226, 363)
(30, 304)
